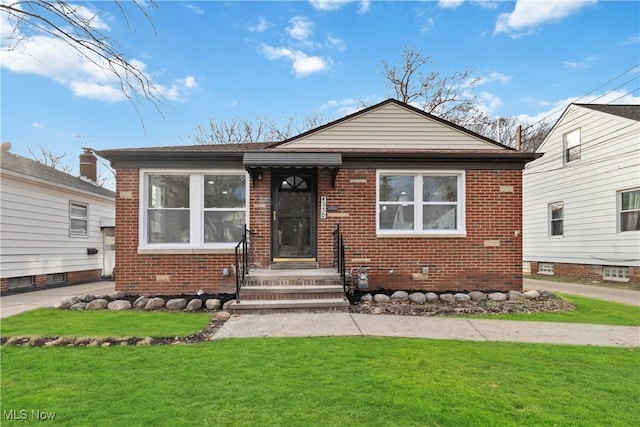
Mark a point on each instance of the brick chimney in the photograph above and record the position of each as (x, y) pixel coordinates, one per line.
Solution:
(88, 165)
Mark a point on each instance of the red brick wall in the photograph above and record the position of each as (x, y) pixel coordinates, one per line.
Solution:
(453, 263)
(582, 271)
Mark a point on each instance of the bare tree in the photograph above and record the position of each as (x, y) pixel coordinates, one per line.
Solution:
(448, 97)
(238, 130)
(81, 30)
(49, 158)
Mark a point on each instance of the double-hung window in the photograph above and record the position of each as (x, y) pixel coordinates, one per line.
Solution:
(556, 219)
(193, 210)
(629, 210)
(572, 146)
(420, 202)
(78, 219)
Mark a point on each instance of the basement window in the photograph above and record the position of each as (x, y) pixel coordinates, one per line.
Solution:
(20, 282)
(545, 268)
(615, 273)
(56, 278)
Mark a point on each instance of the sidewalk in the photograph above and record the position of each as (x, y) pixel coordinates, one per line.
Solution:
(18, 303)
(446, 328)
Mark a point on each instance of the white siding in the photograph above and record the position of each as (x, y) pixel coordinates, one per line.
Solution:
(390, 127)
(34, 229)
(610, 162)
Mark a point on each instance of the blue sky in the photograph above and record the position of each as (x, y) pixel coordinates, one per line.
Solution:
(280, 59)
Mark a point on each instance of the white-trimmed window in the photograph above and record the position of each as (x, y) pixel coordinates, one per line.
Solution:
(78, 219)
(629, 210)
(572, 146)
(615, 273)
(422, 202)
(556, 219)
(545, 268)
(193, 210)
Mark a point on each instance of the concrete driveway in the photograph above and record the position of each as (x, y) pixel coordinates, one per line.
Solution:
(14, 304)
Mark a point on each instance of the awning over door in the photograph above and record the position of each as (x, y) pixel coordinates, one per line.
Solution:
(256, 162)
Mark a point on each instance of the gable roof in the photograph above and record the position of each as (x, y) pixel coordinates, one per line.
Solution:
(388, 125)
(628, 111)
(24, 166)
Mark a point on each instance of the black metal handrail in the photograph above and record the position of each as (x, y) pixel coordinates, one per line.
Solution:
(242, 261)
(339, 256)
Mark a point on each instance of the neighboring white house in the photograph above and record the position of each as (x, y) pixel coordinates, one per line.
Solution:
(55, 228)
(581, 200)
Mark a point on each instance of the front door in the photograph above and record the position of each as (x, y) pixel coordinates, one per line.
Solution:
(293, 219)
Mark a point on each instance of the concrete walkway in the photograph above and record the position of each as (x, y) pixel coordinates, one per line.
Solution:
(18, 303)
(446, 328)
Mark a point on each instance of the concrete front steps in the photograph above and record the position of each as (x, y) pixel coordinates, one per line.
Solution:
(279, 291)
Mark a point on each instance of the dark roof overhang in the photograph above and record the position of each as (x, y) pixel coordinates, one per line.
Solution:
(256, 162)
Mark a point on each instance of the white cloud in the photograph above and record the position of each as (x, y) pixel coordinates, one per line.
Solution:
(529, 14)
(575, 65)
(449, 4)
(86, 76)
(303, 64)
(332, 5)
(301, 29)
(344, 107)
(428, 26)
(262, 25)
(37, 125)
(231, 104)
(335, 43)
(493, 77)
(85, 14)
(195, 9)
(556, 108)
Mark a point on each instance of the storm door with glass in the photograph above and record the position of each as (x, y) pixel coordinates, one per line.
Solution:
(293, 225)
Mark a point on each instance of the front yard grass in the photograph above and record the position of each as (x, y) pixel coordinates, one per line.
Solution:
(587, 311)
(338, 381)
(99, 324)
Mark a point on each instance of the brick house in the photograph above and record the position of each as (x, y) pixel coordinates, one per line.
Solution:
(420, 202)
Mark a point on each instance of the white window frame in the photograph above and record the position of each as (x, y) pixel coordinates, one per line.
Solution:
(72, 232)
(551, 219)
(418, 203)
(196, 210)
(619, 210)
(615, 273)
(576, 133)
(545, 268)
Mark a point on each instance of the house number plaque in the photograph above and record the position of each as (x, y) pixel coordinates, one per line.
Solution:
(323, 207)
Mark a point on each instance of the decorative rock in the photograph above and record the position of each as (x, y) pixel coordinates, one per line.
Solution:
(497, 296)
(366, 298)
(531, 294)
(516, 296)
(64, 303)
(448, 298)
(117, 295)
(78, 306)
(194, 304)
(400, 296)
(222, 315)
(461, 298)
(546, 294)
(88, 298)
(119, 305)
(141, 302)
(145, 341)
(381, 298)
(154, 304)
(226, 305)
(96, 304)
(213, 304)
(176, 304)
(431, 297)
(477, 296)
(417, 298)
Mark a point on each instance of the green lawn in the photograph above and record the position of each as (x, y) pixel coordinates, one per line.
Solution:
(354, 381)
(587, 311)
(69, 323)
